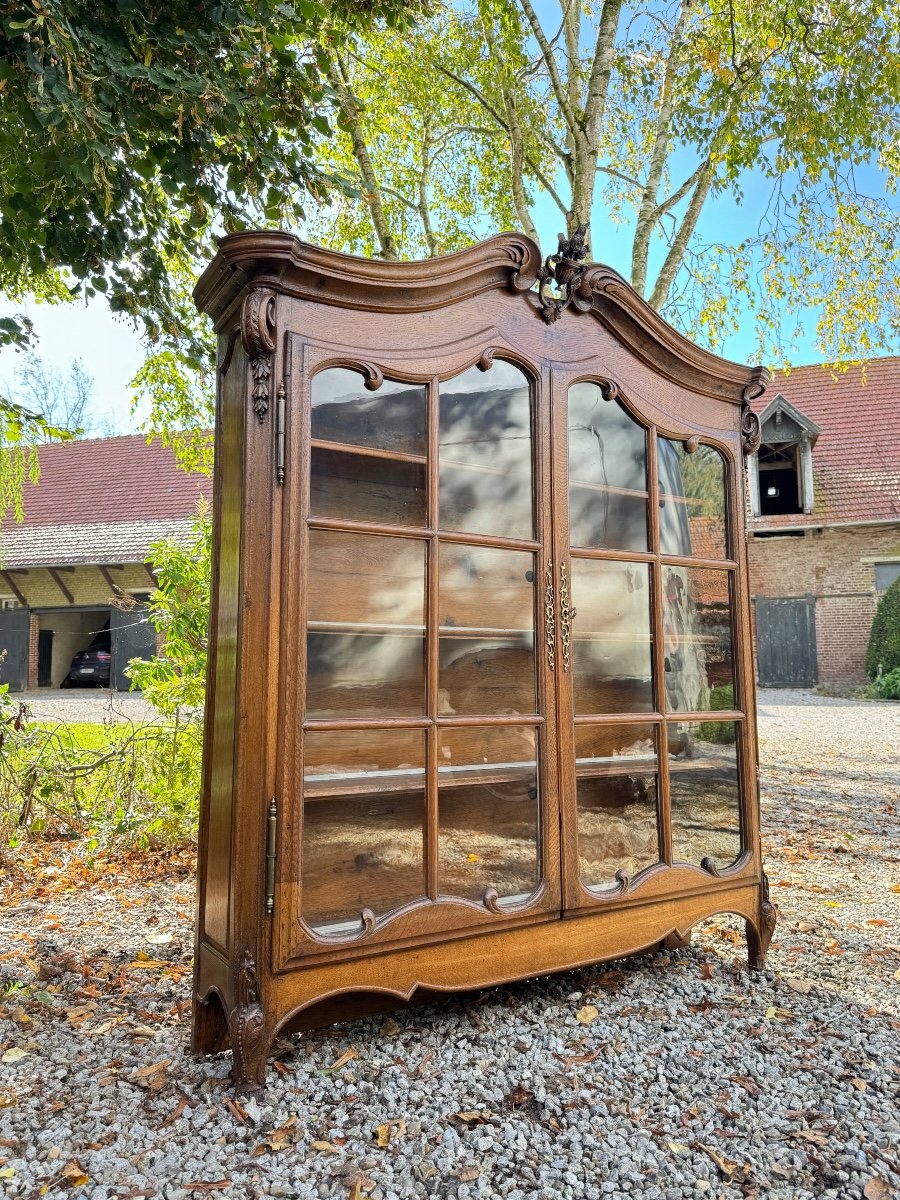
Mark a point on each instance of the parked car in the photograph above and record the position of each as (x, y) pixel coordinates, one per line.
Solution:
(91, 667)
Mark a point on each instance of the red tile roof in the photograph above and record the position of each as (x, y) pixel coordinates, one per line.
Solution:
(114, 480)
(856, 458)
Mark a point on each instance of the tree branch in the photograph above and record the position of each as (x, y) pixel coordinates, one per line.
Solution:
(601, 70)
(679, 243)
(337, 74)
(559, 90)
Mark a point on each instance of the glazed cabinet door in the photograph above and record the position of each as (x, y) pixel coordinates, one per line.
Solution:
(652, 714)
(418, 752)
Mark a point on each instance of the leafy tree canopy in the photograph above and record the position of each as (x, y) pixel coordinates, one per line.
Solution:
(653, 113)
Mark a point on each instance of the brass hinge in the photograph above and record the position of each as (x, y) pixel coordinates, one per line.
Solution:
(279, 433)
(271, 831)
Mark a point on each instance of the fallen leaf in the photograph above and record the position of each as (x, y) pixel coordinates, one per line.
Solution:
(74, 1174)
(678, 1147)
(748, 1084)
(471, 1118)
(144, 960)
(879, 921)
(159, 939)
(877, 1189)
(728, 1168)
(803, 986)
(518, 1097)
(384, 1131)
(804, 926)
(813, 1135)
(7, 1099)
(706, 970)
(145, 1072)
(326, 1147)
(471, 858)
(346, 1057)
(575, 1060)
(203, 1185)
(389, 1028)
(895, 887)
(466, 1174)
(859, 1084)
(7, 1173)
(586, 1014)
(236, 1109)
(14, 1054)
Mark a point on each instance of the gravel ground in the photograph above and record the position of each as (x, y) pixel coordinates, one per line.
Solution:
(94, 705)
(676, 1075)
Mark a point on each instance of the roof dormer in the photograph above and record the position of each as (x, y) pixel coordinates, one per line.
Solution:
(781, 478)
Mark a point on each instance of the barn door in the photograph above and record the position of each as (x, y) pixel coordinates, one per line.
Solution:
(786, 642)
(133, 636)
(14, 629)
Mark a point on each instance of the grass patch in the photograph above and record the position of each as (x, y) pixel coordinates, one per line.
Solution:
(79, 735)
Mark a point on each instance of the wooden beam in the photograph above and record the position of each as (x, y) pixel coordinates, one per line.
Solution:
(149, 571)
(14, 588)
(54, 572)
(104, 571)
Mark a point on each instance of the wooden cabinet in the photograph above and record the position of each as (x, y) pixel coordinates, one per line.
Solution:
(480, 698)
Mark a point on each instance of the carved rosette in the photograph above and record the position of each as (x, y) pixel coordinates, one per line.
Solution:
(247, 1026)
(258, 336)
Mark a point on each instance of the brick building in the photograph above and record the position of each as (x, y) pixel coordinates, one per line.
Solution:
(83, 548)
(824, 529)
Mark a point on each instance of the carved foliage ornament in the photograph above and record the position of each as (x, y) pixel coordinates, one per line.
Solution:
(258, 335)
(751, 432)
(247, 1024)
(564, 269)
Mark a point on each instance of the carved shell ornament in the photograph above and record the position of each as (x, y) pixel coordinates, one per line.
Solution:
(564, 269)
(258, 336)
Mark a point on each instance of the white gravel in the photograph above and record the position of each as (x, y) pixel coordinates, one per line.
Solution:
(92, 705)
(694, 1079)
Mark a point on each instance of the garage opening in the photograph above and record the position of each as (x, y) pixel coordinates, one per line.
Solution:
(73, 647)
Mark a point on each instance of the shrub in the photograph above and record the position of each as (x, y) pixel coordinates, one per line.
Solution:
(883, 654)
(887, 687)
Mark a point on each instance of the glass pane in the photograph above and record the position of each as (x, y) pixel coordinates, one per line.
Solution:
(697, 625)
(366, 636)
(617, 811)
(705, 794)
(392, 418)
(363, 825)
(611, 651)
(487, 631)
(485, 452)
(359, 487)
(691, 501)
(488, 787)
(607, 473)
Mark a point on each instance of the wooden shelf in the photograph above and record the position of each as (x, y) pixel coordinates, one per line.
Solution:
(611, 489)
(411, 779)
(619, 764)
(367, 451)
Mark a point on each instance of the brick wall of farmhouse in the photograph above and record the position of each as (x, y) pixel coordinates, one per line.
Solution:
(830, 565)
(86, 584)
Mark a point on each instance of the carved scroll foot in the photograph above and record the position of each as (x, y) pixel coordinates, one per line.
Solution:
(759, 935)
(247, 1027)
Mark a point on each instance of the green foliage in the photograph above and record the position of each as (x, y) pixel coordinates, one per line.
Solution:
(21, 432)
(93, 783)
(174, 681)
(127, 128)
(654, 114)
(887, 687)
(721, 699)
(883, 653)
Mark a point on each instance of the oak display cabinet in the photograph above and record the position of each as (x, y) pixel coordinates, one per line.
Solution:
(480, 701)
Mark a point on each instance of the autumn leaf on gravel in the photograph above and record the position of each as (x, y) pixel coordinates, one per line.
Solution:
(14, 1054)
(466, 1174)
(877, 1189)
(471, 1118)
(202, 1185)
(352, 1177)
(748, 1084)
(383, 1132)
(730, 1170)
(586, 1014)
(282, 1138)
(326, 1147)
(803, 986)
(706, 970)
(812, 1135)
(518, 1097)
(576, 1060)
(153, 1077)
(74, 1174)
(346, 1057)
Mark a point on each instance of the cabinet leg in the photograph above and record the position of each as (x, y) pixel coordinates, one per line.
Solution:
(759, 933)
(250, 1038)
(676, 941)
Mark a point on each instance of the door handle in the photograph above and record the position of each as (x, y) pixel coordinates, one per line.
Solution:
(550, 618)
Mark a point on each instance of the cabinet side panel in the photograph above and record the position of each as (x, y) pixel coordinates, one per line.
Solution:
(222, 717)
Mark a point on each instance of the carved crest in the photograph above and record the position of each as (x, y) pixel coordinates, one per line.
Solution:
(258, 335)
(565, 269)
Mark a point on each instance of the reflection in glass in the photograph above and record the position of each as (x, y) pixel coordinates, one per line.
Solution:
(611, 648)
(487, 631)
(365, 636)
(488, 797)
(697, 629)
(691, 501)
(363, 825)
(607, 473)
(705, 794)
(357, 487)
(391, 418)
(617, 810)
(485, 452)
